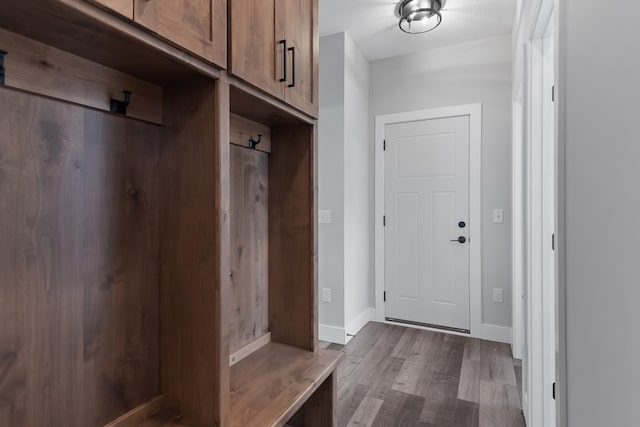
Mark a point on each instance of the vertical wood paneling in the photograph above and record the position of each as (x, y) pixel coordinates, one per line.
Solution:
(248, 299)
(121, 247)
(54, 293)
(15, 276)
(79, 263)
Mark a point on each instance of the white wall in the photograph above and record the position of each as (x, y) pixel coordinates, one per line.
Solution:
(599, 90)
(476, 72)
(343, 187)
(331, 179)
(357, 203)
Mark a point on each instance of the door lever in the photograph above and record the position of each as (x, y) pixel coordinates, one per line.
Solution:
(460, 239)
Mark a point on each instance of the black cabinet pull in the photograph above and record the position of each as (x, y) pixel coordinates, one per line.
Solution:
(284, 61)
(2, 54)
(292, 49)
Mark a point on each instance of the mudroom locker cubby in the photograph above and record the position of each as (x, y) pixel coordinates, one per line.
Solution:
(158, 233)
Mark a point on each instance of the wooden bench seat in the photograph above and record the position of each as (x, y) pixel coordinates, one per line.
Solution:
(268, 387)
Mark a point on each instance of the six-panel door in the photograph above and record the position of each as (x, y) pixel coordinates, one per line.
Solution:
(196, 25)
(427, 230)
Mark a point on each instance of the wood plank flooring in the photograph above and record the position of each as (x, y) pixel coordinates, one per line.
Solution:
(396, 376)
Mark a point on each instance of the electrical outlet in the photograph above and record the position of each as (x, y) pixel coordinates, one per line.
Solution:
(324, 217)
(326, 295)
(498, 216)
(498, 295)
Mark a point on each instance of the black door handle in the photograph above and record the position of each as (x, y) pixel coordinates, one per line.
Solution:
(460, 239)
(284, 61)
(292, 49)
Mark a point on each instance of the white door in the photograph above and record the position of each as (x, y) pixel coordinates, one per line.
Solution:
(427, 222)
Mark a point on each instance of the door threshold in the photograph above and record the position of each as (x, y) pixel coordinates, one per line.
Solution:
(428, 325)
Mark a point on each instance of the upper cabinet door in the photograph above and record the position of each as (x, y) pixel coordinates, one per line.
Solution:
(199, 26)
(257, 48)
(123, 7)
(301, 18)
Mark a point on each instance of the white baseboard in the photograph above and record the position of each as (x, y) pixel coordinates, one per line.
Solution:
(358, 323)
(496, 333)
(338, 335)
(332, 334)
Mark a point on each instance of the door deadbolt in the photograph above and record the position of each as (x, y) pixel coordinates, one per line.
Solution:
(462, 224)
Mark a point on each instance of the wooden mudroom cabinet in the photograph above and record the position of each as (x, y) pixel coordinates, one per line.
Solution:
(283, 35)
(199, 26)
(158, 235)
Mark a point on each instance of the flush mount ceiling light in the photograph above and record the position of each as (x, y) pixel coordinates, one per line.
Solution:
(420, 16)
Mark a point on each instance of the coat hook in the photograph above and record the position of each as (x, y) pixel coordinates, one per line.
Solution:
(2, 54)
(253, 143)
(120, 107)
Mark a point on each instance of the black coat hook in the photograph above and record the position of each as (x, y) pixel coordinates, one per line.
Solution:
(120, 107)
(253, 143)
(2, 54)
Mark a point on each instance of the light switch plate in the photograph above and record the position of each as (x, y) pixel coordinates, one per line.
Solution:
(498, 295)
(324, 217)
(326, 295)
(498, 216)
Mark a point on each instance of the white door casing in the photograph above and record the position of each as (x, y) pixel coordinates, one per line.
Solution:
(426, 200)
(548, 229)
(540, 216)
(474, 112)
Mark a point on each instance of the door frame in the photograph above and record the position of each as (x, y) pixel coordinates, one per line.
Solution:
(540, 193)
(474, 111)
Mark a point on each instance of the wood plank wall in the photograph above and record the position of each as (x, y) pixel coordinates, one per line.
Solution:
(249, 314)
(79, 263)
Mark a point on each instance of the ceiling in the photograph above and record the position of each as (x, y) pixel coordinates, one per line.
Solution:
(373, 26)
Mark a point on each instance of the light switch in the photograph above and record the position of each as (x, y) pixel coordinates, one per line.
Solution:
(324, 217)
(326, 295)
(498, 216)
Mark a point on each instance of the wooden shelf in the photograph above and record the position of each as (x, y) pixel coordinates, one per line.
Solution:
(268, 387)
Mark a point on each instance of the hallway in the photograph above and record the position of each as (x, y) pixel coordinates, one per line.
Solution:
(396, 376)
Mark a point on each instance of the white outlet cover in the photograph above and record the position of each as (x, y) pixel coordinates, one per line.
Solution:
(324, 217)
(498, 216)
(326, 295)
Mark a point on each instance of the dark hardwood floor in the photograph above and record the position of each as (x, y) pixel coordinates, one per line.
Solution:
(396, 376)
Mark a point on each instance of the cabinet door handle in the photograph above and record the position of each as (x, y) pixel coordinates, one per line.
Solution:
(292, 49)
(284, 61)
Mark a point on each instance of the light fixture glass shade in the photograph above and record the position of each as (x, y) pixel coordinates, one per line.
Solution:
(419, 16)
